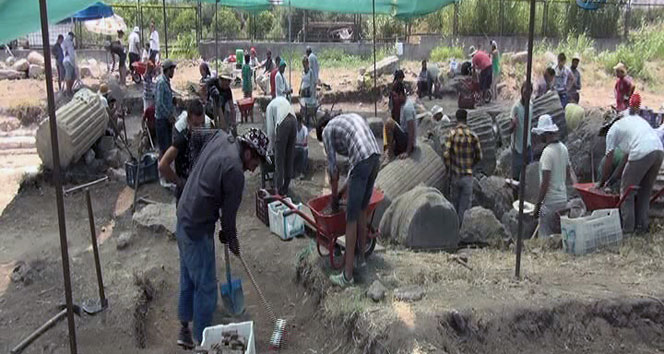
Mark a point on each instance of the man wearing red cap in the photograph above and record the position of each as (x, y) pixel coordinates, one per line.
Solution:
(643, 155)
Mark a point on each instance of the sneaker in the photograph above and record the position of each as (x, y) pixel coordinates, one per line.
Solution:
(184, 338)
(341, 281)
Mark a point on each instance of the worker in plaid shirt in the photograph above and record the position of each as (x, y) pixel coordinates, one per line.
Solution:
(462, 153)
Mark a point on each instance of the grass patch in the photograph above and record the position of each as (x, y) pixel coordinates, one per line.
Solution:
(445, 53)
(645, 45)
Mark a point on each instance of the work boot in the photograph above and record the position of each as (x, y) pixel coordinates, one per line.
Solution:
(184, 338)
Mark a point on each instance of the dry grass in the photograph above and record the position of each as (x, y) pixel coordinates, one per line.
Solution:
(548, 277)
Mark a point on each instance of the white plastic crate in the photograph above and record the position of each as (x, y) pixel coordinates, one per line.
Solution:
(213, 334)
(286, 227)
(586, 234)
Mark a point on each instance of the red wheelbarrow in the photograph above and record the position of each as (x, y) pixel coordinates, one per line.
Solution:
(595, 198)
(329, 227)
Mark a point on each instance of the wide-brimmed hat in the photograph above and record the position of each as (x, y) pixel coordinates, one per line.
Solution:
(436, 109)
(226, 74)
(258, 141)
(621, 67)
(472, 51)
(167, 64)
(136, 29)
(545, 124)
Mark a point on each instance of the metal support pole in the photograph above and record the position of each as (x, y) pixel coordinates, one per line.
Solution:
(165, 28)
(455, 26)
(140, 19)
(95, 250)
(198, 24)
(57, 175)
(628, 12)
(526, 130)
(290, 45)
(216, 37)
(375, 79)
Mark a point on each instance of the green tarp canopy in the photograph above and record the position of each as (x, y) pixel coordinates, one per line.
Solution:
(19, 17)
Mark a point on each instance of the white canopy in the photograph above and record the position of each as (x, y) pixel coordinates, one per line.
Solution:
(107, 25)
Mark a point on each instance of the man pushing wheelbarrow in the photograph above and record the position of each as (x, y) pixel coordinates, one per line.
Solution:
(349, 135)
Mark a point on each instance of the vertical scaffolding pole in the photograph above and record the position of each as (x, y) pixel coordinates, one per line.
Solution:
(165, 28)
(373, 3)
(140, 19)
(57, 174)
(216, 37)
(526, 130)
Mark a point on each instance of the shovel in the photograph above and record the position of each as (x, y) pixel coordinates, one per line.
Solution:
(231, 292)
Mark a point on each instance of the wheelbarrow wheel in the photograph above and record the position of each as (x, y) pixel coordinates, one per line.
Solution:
(370, 246)
(336, 255)
(136, 77)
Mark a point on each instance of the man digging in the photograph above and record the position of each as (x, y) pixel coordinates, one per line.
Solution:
(215, 184)
(349, 135)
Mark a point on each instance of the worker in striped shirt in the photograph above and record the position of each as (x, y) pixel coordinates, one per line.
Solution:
(462, 152)
(349, 135)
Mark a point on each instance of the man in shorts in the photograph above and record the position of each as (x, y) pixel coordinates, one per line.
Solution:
(349, 135)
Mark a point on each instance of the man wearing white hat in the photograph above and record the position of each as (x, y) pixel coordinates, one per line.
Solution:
(554, 170)
(134, 47)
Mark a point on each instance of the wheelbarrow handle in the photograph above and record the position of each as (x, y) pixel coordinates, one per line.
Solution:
(629, 190)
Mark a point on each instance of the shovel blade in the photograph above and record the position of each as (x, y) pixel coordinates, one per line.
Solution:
(233, 297)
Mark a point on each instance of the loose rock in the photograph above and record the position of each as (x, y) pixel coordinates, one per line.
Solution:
(481, 226)
(409, 293)
(11, 74)
(35, 58)
(22, 273)
(89, 157)
(21, 65)
(510, 221)
(158, 218)
(117, 174)
(376, 291)
(520, 57)
(10, 61)
(493, 194)
(114, 158)
(35, 71)
(124, 240)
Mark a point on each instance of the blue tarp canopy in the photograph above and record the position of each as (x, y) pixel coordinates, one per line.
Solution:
(96, 11)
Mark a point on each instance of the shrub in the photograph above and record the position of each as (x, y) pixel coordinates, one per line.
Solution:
(186, 46)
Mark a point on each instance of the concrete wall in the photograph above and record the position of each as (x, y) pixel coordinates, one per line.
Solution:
(411, 51)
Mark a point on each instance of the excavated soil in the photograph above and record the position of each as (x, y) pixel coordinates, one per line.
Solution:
(604, 302)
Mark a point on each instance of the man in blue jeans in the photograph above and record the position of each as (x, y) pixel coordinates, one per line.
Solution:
(215, 184)
(349, 135)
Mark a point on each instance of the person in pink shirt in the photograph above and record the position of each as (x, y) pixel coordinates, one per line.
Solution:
(624, 87)
(482, 63)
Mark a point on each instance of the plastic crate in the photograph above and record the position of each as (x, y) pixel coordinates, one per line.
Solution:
(261, 207)
(286, 227)
(148, 173)
(587, 234)
(214, 334)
